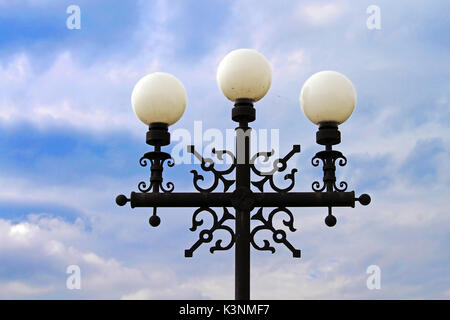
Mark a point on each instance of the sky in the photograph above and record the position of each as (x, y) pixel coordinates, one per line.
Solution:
(70, 143)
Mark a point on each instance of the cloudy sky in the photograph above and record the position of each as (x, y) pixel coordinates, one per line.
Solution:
(70, 142)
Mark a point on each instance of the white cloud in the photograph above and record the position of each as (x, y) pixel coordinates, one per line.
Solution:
(62, 96)
(48, 245)
(21, 290)
(321, 14)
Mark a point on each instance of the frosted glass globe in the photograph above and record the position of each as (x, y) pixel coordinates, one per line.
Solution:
(328, 96)
(159, 97)
(244, 73)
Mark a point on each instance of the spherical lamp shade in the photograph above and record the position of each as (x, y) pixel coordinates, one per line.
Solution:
(244, 73)
(159, 97)
(328, 96)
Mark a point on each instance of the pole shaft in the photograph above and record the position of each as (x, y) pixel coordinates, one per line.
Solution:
(242, 244)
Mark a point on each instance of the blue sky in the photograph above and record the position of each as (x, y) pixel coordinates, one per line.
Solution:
(69, 143)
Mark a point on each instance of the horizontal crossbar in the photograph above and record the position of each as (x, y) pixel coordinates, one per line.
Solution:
(266, 199)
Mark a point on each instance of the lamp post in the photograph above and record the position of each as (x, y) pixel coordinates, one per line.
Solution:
(244, 76)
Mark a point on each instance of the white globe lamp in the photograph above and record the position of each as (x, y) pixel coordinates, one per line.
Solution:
(328, 96)
(159, 97)
(244, 74)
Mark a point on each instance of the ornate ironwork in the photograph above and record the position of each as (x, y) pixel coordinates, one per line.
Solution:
(243, 199)
(279, 235)
(279, 165)
(207, 164)
(329, 158)
(206, 235)
(157, 159)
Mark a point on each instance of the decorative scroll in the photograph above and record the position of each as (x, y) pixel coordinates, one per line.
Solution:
(206, 235)
(279, 165)
(279, 235)
(329, 159)
(157, 159)
(208, 165)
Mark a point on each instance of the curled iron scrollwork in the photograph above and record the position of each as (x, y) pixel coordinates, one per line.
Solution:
(329, 159)
(278, 235)
(279, 165)
(206, 235)
(156, 159)
(207, 164)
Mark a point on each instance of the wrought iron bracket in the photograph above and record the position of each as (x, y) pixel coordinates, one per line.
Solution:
(206, 235)
(207, 164)
(278, 235)
(279, 165)
(157, 159)
(329, 159)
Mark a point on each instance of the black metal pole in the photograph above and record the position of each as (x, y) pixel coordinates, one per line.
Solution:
(243, 113)
(242, 253)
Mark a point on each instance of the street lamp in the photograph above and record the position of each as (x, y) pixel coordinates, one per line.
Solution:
(244, 76)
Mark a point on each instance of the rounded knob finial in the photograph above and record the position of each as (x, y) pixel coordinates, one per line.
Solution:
(330, 220)
(154, 221)
(121, 200)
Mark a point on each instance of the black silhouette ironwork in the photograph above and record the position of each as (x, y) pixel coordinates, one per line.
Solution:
(243, 199)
